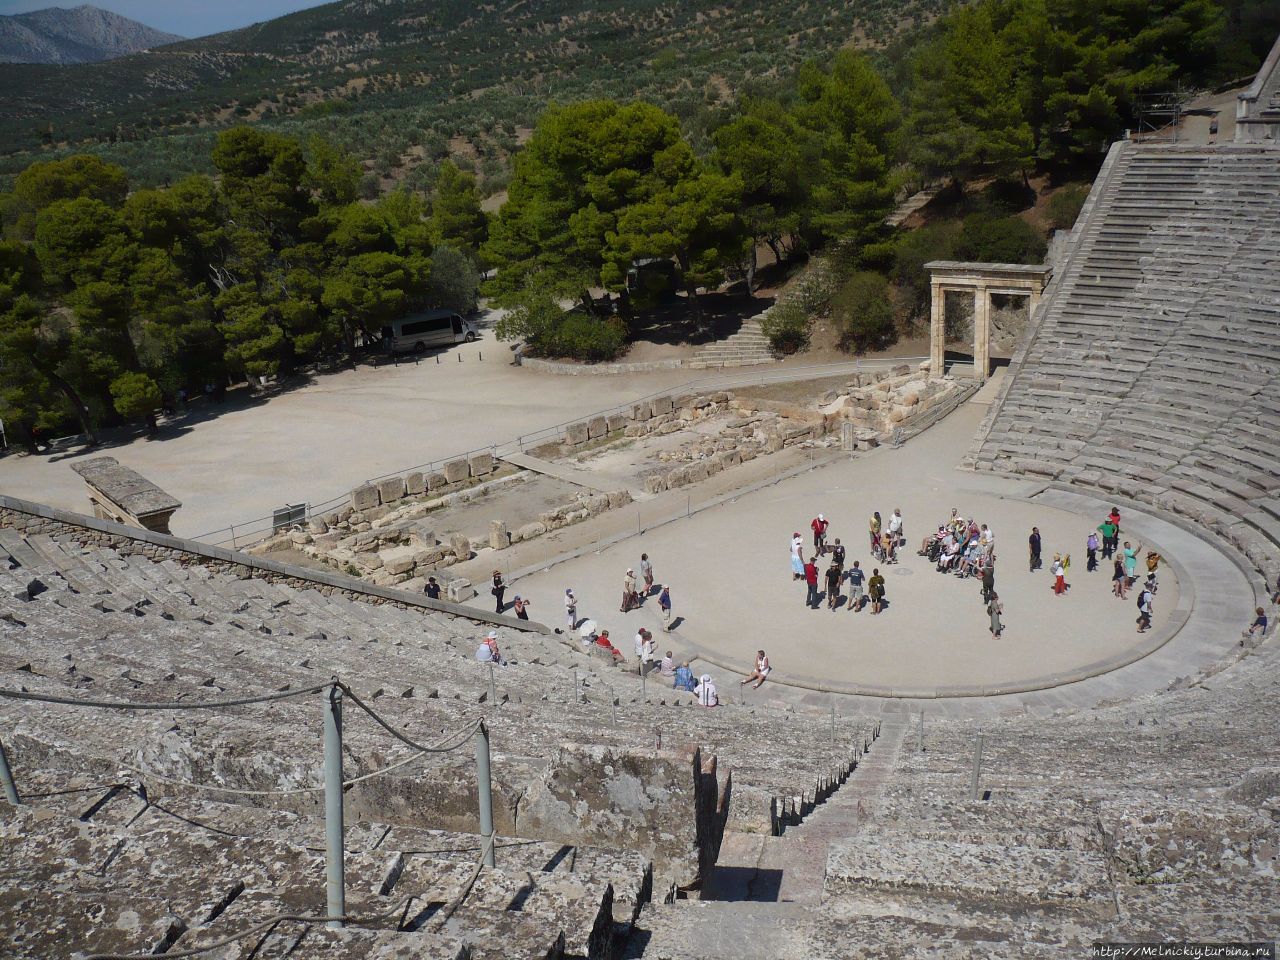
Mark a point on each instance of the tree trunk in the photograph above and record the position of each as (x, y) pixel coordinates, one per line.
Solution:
(776, 250)
(751, 271)
(348, 342)
(82, 412)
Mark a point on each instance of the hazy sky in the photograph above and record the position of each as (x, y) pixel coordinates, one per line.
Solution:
(187, 18)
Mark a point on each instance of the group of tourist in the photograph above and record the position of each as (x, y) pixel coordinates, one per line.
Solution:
(635, 592)
(860, 587)
(966, 548)
(1103, 543)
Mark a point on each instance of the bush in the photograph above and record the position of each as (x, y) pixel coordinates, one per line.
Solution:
(915, 248)
(584, 337)
(787, 326)
(135, 395)
(1065, 205)
(1009, 195)
(990, 239)
(548, 331)
(862, 312)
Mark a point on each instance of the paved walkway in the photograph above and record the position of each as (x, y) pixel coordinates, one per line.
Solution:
(231, 464)
(732, 585)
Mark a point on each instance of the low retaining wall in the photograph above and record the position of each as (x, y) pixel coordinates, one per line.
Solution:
(30, 518)
(598, 369)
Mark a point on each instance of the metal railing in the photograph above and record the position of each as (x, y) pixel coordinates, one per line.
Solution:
(248, 532)
(334, 691)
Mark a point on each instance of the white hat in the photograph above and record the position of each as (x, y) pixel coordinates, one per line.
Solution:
(820, 517)
(493, 635)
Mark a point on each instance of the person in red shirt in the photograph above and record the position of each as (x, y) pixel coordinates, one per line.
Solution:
(604, 641)
(811, 580)
(819, 528)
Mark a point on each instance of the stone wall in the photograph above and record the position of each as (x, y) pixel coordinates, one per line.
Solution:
(893, 402)
(372, 501)
(599, 369)
(606, 797)
(403, 547)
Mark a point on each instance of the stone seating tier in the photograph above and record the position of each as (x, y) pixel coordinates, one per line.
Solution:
(1171, 290)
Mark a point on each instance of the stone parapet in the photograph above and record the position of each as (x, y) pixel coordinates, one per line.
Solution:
(30, 518)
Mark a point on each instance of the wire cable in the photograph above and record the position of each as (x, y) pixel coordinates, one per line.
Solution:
(466, 890)
(475, 725)
(126, 705)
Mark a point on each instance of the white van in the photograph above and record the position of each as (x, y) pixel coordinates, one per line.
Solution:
(434, 328)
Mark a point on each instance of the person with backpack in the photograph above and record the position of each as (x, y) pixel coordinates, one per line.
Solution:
(1145, 601)
(875, 586)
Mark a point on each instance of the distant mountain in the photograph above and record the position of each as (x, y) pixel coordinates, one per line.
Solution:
(403, 83)
(81, 35)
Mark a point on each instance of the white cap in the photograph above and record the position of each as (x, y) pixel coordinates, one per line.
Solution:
(820, 517)
(493, 635)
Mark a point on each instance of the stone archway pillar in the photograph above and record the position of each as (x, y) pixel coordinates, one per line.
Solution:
(937, 329)
(981, 331)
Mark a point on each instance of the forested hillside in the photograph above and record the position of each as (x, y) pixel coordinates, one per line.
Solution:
(116, 297)
(395, 80)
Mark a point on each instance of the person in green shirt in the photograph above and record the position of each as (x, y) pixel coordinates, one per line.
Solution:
(1110, 533)
(1131, 562)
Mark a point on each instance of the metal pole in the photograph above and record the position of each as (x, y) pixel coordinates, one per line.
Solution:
(6, 777)
(575, 681)
(233, 536)
(485, 791)
(920, 734)
(333, 805)
(493, 688)
(977, 769)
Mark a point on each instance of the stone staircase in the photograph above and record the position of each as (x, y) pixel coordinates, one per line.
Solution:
(763, 899)
(747, 347)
